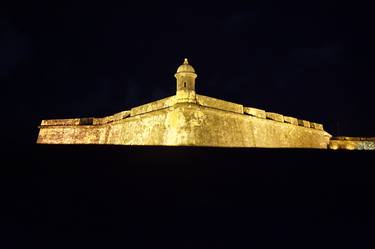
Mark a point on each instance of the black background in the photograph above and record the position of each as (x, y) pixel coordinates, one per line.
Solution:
(67, 196)
(309, 60)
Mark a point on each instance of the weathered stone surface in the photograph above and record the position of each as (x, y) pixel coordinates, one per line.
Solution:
(255, 112)
(352, 143)
(109, 119)
(304, 123)
(190, 124)
(275, 116)
(121, 115)
(290, 120)
(319, 126)
(316, 126)
(156, 105)
(73, 121)
(82, 134)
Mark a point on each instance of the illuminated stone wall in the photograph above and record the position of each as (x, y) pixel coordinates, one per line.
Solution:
(206, 126)
(352, 143)
(191, 119)
(209, 122)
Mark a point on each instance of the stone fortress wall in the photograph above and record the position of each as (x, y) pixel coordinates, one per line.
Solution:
(352, 143)
(155, 122)
(191, 119)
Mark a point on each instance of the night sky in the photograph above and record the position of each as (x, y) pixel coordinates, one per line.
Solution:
(306, 60)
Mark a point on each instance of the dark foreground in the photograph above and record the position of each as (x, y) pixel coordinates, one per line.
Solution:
(167, 197)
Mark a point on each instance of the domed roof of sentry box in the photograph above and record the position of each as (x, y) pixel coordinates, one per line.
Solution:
(185, 67)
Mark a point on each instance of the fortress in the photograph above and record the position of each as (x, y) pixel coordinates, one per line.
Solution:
(190, 119)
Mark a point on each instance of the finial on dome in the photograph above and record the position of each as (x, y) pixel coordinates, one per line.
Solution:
(186, 62)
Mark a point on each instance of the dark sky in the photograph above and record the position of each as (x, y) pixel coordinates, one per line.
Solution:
(307, 60)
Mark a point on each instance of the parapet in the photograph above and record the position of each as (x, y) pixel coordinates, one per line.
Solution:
(304, 123)
(56, 122)
(153, 106)
(316, 126)
(116, 117)
(170, 101)
(219, 104)
(290, 120)
(275, 116)
(255, 112)
(259, 113)
(86, 121)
